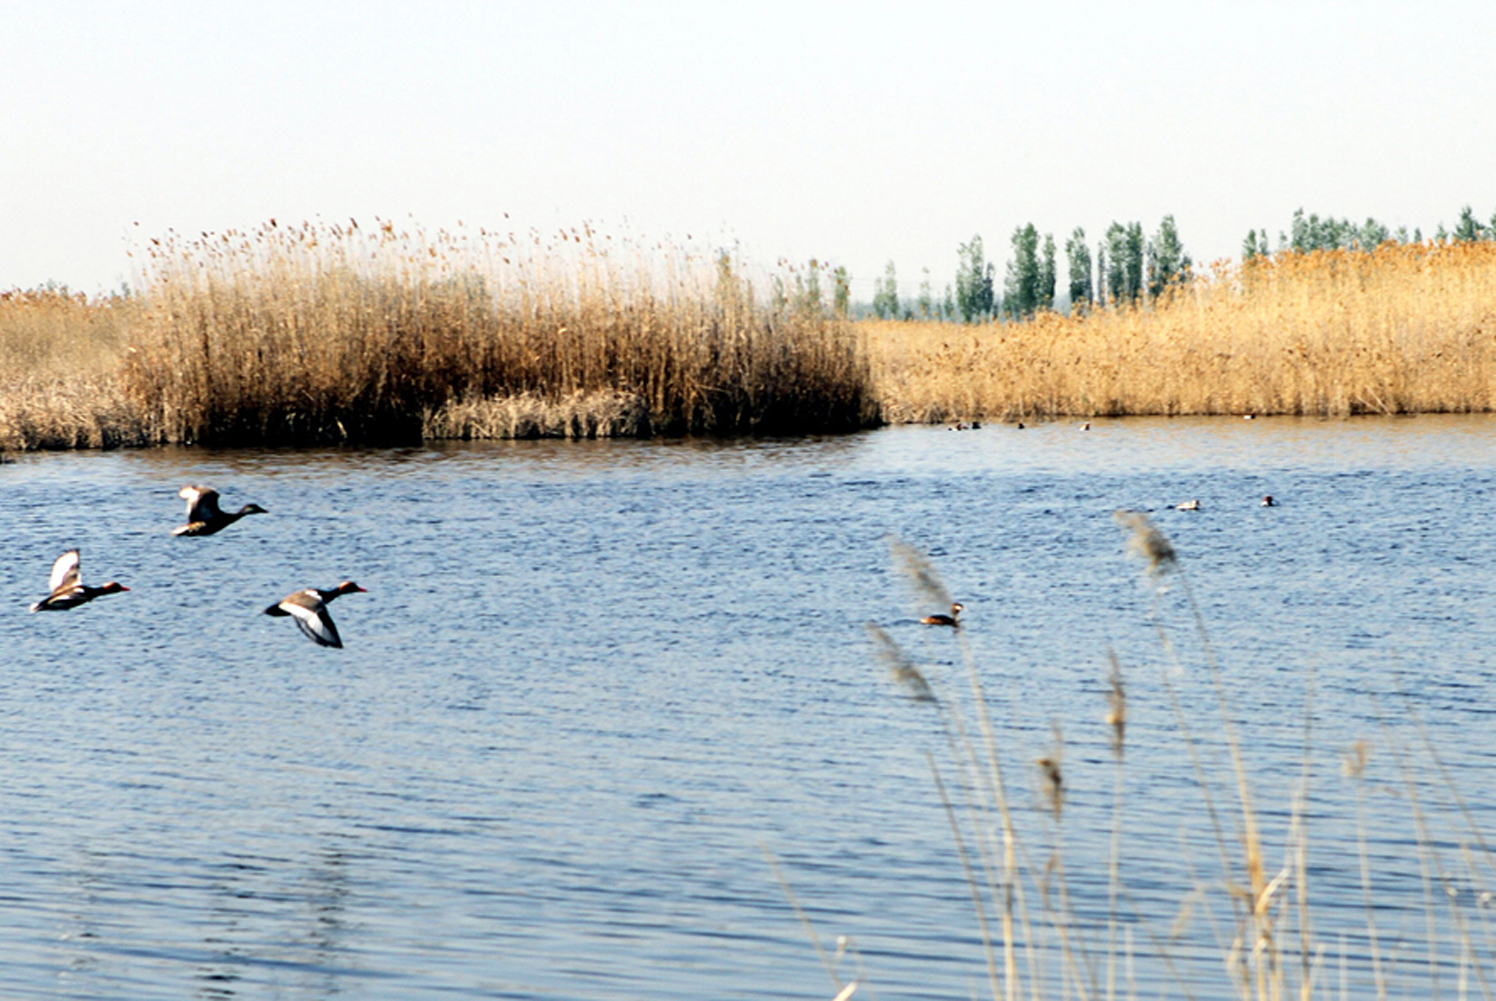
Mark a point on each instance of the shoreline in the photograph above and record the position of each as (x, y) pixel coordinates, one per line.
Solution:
(617, 418)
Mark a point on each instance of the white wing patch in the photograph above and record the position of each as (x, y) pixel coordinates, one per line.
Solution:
(64, 571)
(314, 623)
(202, 503)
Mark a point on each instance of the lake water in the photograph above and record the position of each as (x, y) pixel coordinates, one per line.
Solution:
(593, 684)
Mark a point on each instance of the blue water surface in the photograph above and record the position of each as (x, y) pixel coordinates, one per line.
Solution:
(594, 687)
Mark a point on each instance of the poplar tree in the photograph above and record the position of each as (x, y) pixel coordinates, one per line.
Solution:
(1114, 249)
(1046, 274)
(1254, 245)
(1469, 229)
(886, 294)
(1101, 273)
(841, 298)
(1373, 234)
(1167, 261)
(926, 297)
(1021, 287)
(1079, 256)
(973, 281)
(1136, 246)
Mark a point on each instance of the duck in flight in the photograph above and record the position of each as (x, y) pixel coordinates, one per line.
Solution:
(203, 515)
(309, 609)
(945, 620)
(68, 591)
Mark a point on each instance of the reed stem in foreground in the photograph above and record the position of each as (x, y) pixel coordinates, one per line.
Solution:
(1278, 948)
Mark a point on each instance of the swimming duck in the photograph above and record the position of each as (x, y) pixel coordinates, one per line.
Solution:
(945, 620)
(203, 515)
(1189, 505)
(309, 609)
(1267, 501)
(67, 590)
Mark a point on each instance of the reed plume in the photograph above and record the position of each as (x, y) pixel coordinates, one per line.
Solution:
(1145, 541)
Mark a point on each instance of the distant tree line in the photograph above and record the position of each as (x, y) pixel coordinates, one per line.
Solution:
(1310, 232)
(1128, 267)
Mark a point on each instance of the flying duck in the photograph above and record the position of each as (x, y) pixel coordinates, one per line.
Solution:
(945, 620)
(203, 515)
(67, 590)
(309, 609)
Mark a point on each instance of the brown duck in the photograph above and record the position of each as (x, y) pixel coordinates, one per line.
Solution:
(68, 591)
(309, 609)
(203, 515)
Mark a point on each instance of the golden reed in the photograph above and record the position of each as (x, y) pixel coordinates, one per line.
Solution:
(1402, 329)
(59, 371)
(328, 333)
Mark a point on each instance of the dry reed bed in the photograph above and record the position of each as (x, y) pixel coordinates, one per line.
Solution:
(327, 333)
(1402, 329)
(59, 372)
(336, 333)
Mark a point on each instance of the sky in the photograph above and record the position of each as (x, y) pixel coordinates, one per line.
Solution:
(852, 133)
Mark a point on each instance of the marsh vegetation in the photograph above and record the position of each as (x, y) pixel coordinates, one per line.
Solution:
(336, 333)
(1399, 329)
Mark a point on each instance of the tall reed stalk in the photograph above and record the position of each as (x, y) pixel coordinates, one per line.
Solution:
(1277, 944)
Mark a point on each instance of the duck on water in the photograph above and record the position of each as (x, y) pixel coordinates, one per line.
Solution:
(952, 619)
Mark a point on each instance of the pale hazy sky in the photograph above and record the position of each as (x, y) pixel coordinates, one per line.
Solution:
(854, 133)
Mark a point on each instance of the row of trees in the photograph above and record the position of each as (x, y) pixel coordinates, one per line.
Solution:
(1128, 266)
(1310, 232)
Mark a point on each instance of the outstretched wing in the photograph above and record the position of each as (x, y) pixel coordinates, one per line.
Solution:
(315, 622)
(202, 503)
(64, 572)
